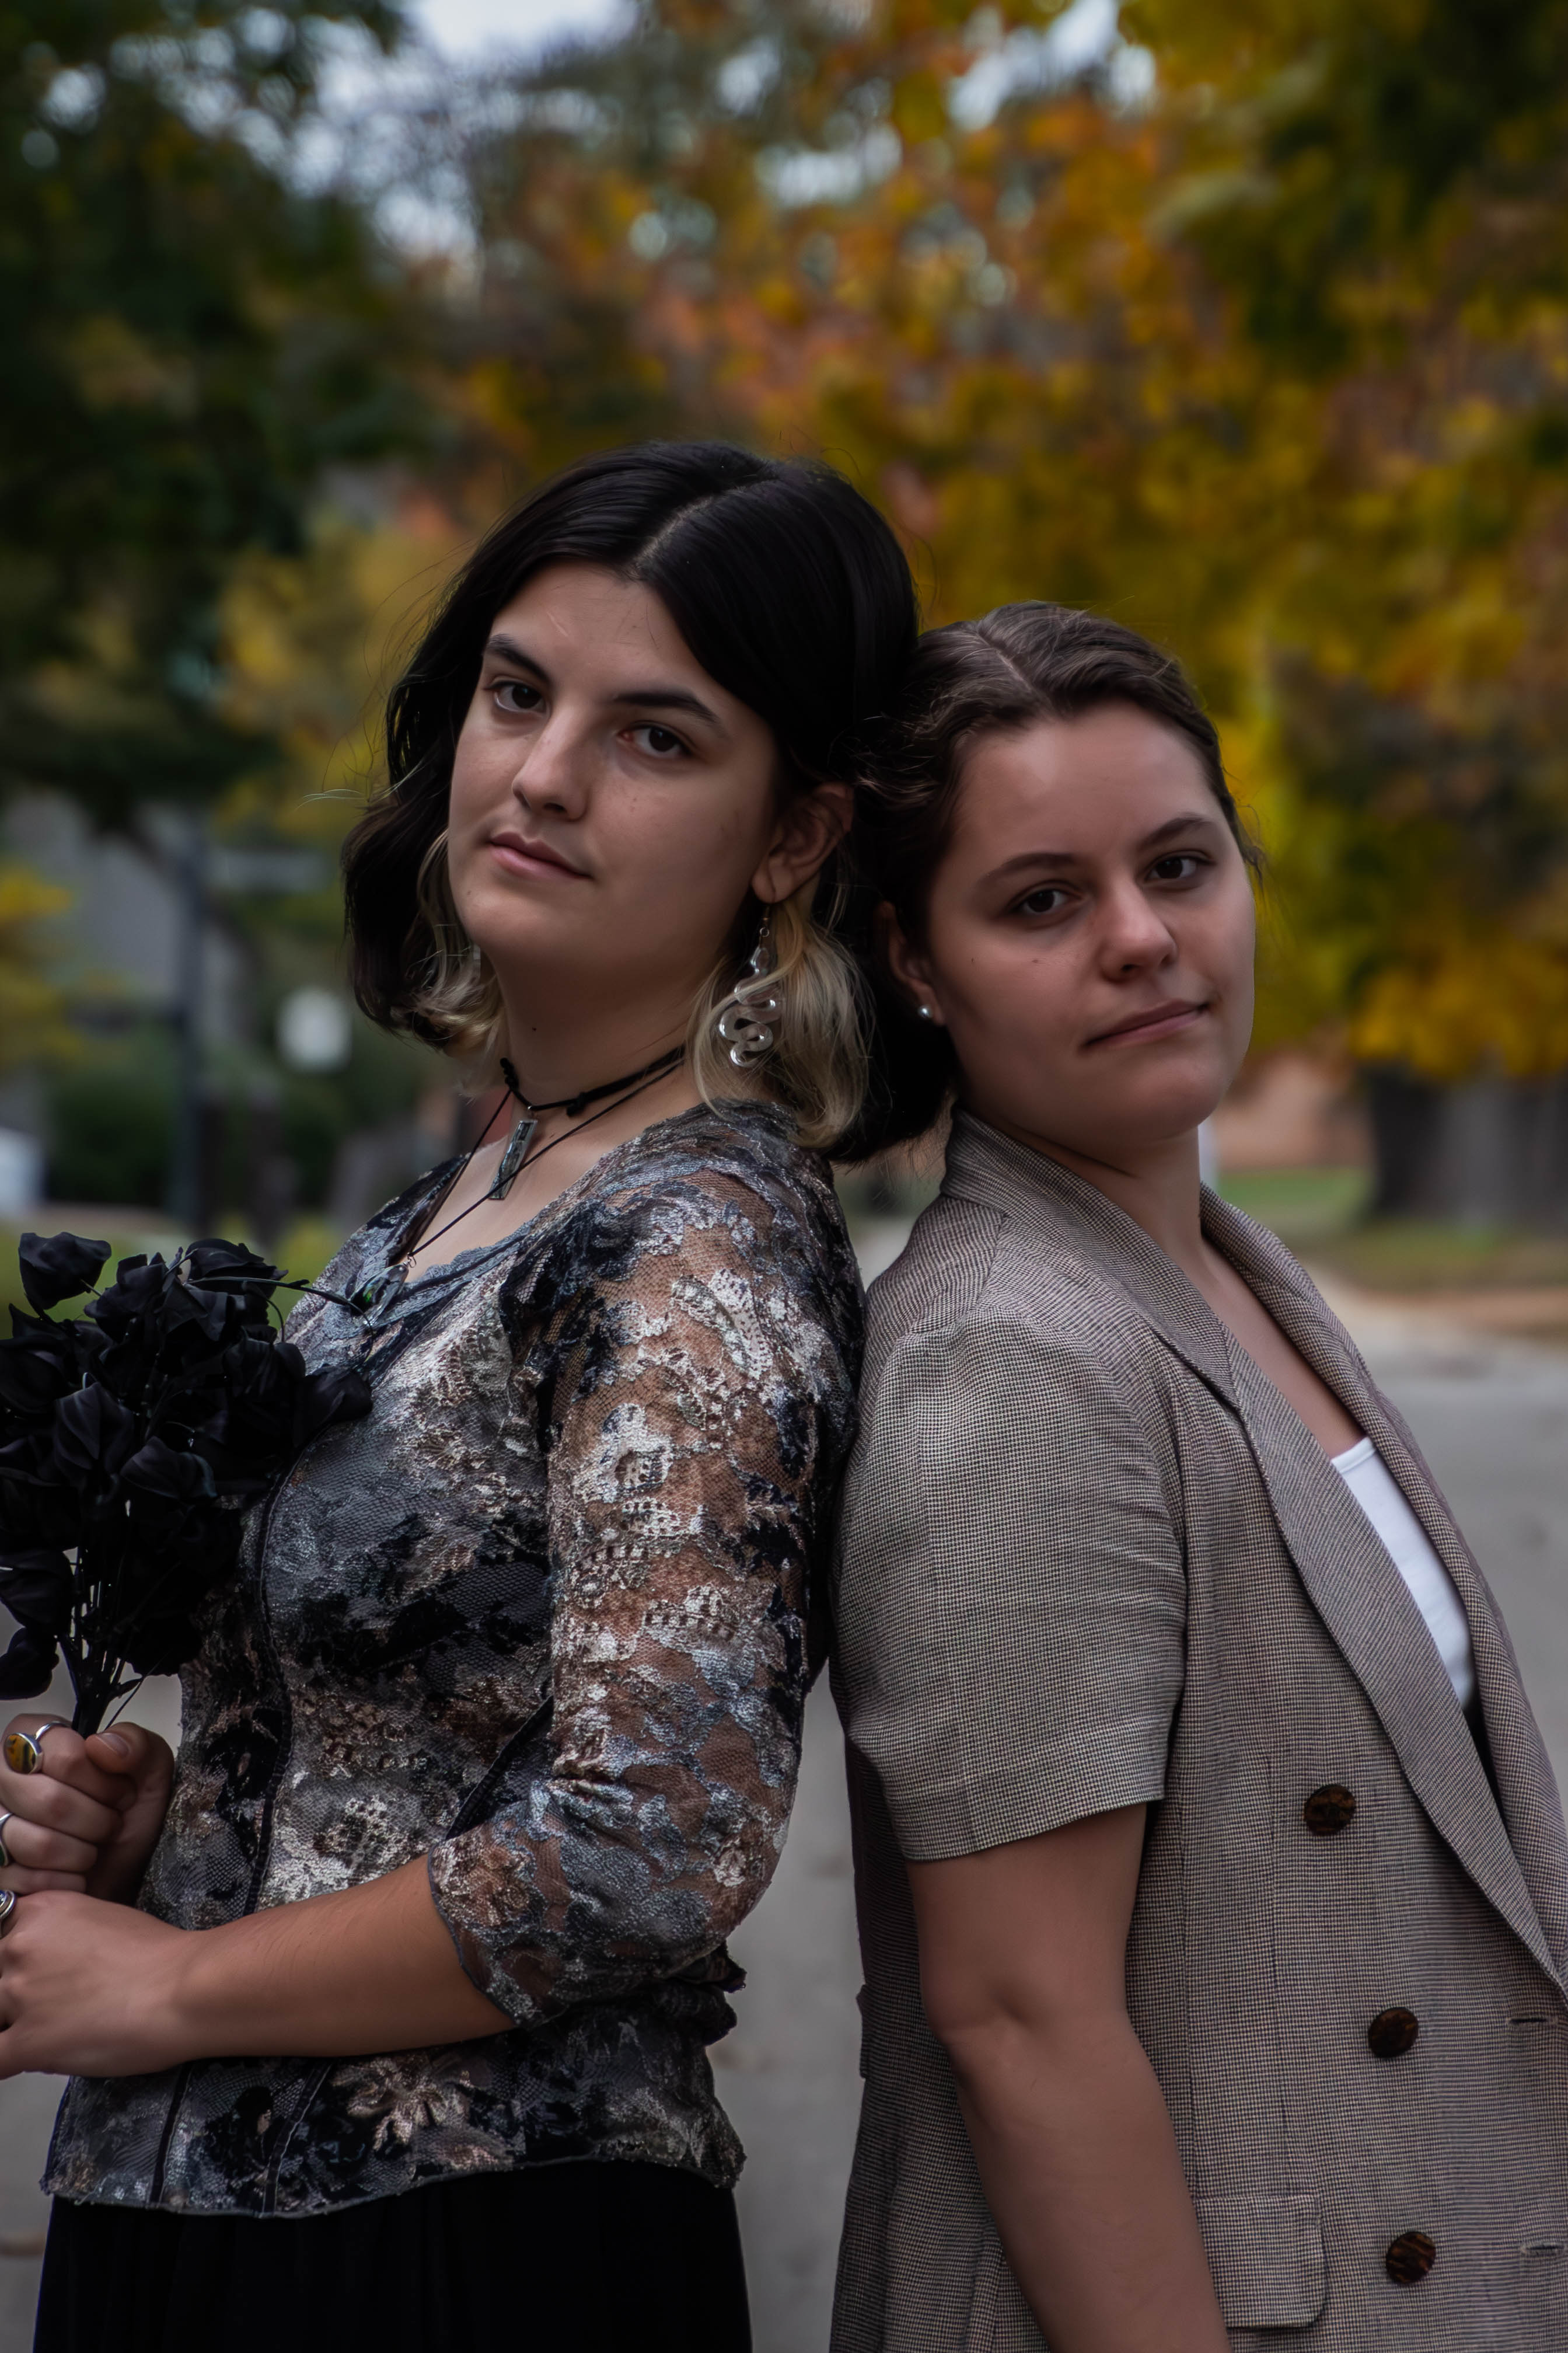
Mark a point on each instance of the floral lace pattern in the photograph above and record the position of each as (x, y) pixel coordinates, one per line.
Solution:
(544, 1616)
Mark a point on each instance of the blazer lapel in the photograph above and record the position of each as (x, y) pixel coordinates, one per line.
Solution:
(989, 1167)
(1519, 1858)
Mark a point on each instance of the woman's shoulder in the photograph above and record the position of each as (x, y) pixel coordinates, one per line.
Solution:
(968, 1271)
(727, 1185)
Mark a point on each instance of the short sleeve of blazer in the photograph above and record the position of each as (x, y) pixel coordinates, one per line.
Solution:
(1012, 1601)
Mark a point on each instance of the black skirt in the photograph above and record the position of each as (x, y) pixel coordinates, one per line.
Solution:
(590, 2258)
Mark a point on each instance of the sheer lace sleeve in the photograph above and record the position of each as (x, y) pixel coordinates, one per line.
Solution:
(693, 1392)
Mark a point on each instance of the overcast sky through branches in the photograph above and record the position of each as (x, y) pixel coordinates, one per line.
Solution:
(466, 28)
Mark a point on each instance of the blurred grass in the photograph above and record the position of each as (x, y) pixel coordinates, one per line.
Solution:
(302, 1254)
(1320, 1212)
(1412, 1254)
(1302, 1206)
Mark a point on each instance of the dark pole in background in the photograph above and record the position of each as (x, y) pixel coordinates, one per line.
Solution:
(186, 1161)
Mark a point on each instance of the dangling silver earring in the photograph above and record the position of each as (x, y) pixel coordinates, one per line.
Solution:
(745, 1017)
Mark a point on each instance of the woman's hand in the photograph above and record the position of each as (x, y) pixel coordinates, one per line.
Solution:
(87, 1822)
(91, 1988)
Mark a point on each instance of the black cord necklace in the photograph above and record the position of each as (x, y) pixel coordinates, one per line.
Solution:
(517, 1157)
(521, 1137)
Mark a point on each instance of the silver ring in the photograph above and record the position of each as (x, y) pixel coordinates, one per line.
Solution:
(25, 1750)
(7, 1905)
(7, 1860)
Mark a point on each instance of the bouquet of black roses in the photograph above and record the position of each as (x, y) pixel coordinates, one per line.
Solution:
(131, 1437)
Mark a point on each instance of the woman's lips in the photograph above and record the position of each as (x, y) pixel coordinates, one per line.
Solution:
(521, 856)
(1159, 1021)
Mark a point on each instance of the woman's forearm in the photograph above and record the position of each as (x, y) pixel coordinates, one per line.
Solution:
(89, 1988)
(1078, 2162)
(371, 1969)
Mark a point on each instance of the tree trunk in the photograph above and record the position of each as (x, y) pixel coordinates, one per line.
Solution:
(1493, 1152)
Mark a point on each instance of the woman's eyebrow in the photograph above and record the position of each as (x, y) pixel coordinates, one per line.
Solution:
(508, 649)
(667, 698)
(1192, 822)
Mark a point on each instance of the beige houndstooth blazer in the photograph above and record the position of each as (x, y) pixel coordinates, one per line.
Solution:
(1090, 1558)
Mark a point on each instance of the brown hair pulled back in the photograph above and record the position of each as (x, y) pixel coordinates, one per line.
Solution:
(1007, 671)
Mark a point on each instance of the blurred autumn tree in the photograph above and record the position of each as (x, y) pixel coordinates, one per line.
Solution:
(1381, 191)
(1248, 326)
(31, 1014)
(207, 328)
(194, 333)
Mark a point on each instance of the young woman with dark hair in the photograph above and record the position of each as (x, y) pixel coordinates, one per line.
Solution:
(494, 1740)
(1213, 1884)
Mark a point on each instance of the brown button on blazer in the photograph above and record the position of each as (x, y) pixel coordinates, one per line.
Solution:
(1089, 1557)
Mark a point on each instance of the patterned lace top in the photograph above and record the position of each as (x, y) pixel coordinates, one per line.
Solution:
(544, 1615)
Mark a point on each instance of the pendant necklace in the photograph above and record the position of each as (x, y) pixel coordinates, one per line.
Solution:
(514, 1158)
(517, 1156)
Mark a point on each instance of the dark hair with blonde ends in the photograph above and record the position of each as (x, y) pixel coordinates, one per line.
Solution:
(792, 593)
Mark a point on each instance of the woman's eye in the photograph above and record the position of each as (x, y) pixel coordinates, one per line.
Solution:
(662, 741)
(1049, 900)
(1180, 867)
(512, 694)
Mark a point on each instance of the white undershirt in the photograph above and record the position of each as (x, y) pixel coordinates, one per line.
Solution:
(1405, 1541)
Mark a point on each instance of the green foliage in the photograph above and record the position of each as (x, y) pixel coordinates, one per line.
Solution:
(111, 1116)
(1342, 135)
(193, 335)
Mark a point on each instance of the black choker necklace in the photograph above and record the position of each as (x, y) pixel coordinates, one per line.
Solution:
(515, 1156)
(522, 1135)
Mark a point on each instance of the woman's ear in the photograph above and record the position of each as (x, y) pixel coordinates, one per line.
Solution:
(810, 828)
(908, 966)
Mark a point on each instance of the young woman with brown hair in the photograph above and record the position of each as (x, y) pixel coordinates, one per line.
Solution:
(1213, 1883)
(494, 1739)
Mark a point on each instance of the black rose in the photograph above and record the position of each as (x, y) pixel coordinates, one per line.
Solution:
(36, 1587)
(136, 1293)
(197, 1323)
(38, 1367)
(58, 1266)
(31, 1458)
(94, 1434)
(251, 1424)
(29, 1666)
(134, 1434)
(326, 1397)
(156, 1477)
(228, 1266)
(34, 1515)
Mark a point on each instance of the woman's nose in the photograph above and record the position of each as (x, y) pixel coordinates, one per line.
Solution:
(1133, 934)
(553, 773)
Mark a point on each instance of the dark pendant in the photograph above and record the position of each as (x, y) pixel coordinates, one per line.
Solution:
(512, 1158)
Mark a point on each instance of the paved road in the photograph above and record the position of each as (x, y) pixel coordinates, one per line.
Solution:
(1494, 1419)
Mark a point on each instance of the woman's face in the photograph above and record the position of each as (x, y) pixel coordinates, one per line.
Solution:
(611, 806)
(1090, 939)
